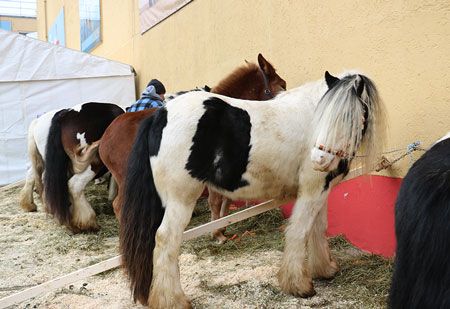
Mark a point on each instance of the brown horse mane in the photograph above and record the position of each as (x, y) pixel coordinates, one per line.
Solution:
(236, 76)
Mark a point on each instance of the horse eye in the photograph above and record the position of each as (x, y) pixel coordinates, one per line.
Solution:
(267, 91)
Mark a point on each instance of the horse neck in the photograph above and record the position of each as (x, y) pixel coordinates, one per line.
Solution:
(244, 83)
(308, 93)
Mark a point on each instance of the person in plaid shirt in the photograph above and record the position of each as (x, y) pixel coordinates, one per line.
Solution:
(153, 96)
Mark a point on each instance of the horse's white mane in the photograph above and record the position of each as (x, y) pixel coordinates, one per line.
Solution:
(339, 118)
(339, 126)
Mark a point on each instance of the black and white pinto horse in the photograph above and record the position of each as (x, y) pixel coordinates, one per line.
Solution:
(297, 145)
(421, 276)
(62, 148)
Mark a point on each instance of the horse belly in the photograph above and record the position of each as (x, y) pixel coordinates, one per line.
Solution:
(264, 191)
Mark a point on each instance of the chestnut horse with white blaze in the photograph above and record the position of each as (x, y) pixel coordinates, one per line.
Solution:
(297, 145)
(250, 82)
(62, 146)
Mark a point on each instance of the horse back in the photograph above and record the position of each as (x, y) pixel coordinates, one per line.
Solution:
(237, 146)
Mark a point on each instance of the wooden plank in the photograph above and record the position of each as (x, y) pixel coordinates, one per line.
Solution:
(230, 219)
(59, 282)
(114, 262)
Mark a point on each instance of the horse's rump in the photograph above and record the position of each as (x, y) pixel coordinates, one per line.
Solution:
(117, 141)
(421, 277)
(70, 149)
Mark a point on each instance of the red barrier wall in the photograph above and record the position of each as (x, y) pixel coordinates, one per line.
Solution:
(362, 209)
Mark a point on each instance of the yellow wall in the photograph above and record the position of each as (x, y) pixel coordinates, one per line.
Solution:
(403, 45)
(21, 24)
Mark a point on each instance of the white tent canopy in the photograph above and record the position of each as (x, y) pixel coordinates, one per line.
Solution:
(36, 77)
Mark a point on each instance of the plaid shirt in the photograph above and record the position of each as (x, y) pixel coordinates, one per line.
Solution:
(144, 103)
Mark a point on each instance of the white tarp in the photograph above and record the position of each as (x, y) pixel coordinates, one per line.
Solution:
(36, 77)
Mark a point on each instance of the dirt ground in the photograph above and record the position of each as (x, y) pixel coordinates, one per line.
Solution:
(239, 274)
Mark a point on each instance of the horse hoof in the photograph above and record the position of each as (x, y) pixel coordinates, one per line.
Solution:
(28, 207)
(76, 229)
(220, 238)
(328, 273)
(308, 294)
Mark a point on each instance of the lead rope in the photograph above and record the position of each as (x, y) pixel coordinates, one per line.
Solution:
(385, 163)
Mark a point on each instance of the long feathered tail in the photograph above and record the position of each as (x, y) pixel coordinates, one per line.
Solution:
(56, 190)
(142, 210)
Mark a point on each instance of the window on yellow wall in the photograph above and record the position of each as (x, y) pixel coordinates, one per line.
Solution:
(90, 24)
(5, 25)
(152, 12)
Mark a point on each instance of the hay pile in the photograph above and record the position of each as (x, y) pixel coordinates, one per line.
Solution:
(239, 274)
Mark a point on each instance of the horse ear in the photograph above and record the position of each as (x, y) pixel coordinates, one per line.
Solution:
(265, 66)
(330, 79)
(359, 86)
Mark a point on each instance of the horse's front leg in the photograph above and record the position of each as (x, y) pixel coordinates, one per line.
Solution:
(294, 276)
(165, 290)
(321, 263)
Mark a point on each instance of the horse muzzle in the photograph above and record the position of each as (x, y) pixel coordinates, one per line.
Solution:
(323, 161)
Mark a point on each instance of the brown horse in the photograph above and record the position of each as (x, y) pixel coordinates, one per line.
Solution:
(63, 150)
(250, 82)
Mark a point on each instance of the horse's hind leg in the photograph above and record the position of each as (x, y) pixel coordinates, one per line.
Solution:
(215, 201)
(321, 263)
(294, 276)
(166, 291)
(82, 215)
(34, 175)
(118, 201)
(26, 194)
(112, 190)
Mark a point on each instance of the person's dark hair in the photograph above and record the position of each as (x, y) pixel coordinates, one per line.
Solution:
(160, 89)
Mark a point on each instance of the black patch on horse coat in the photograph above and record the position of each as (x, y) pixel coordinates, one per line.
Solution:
(93, 119)
(421, 277)
(142, 210)
(221, 145)
(343, 168)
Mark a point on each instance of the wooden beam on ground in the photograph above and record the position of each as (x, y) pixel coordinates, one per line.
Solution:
(230, 219)
(114, 262)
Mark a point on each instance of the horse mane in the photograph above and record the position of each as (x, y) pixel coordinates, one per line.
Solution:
(332, 119)
(229, 82)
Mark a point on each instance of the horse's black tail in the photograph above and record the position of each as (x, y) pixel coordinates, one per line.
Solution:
(142, 210)
(421, 277)
(56, 190)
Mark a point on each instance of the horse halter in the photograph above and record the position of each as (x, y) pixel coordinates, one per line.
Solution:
(340, 153)
(267, 90)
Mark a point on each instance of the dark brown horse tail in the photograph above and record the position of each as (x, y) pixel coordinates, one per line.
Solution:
(56, 190)
(142, 210)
